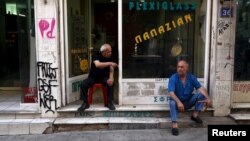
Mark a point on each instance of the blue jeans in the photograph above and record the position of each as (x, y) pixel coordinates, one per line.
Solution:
(193, 101)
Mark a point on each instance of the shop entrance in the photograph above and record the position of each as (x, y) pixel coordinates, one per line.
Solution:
(17, 53)
(89, 24)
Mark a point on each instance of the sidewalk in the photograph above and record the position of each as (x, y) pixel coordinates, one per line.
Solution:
(186, 134)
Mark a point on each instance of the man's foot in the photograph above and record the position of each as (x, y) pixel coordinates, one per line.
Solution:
(111, 106)
(83, 107)
(196, 119)
(175, 131)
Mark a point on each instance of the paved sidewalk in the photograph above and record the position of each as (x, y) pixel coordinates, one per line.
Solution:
(186, 134)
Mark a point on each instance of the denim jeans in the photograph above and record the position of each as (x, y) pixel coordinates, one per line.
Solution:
(193, 101)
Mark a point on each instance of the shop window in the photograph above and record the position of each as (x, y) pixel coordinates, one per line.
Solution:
(156, 34)
(78, 57)
(242, 43)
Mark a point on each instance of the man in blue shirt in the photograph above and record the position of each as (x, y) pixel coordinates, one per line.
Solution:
(182, 97)
(101, 71)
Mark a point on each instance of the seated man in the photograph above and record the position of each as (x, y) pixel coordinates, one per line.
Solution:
(101, 71)
(181, 86)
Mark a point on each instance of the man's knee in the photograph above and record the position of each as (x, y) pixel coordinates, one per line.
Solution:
(200, 96)
(172, 103)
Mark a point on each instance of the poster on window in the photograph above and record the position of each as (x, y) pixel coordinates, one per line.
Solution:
(79, 51)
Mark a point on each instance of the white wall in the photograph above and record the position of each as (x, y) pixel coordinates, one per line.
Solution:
(47, 42)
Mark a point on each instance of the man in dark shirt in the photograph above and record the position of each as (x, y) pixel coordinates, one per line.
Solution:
(101, 71)
(181, 87)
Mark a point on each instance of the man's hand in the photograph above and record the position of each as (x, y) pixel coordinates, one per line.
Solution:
(114, 65)
(207, 103)
(180, 107)
(110, 81)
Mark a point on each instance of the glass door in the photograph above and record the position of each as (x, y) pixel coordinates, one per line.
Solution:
(89, 24)
(78, 45)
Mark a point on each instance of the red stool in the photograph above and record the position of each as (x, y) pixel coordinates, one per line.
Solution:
(104, 92)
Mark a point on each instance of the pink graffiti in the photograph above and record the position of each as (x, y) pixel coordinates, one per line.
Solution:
(44, 26)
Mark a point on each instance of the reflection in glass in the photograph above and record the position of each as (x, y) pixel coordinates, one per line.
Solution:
(242, 44)
(156, 37)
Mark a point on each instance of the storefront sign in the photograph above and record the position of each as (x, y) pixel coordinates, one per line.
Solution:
(76, 86)
(161, 99)
(161, 5)
(164, 28)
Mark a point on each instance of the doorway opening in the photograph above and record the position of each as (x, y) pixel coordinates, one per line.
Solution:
(89, 25)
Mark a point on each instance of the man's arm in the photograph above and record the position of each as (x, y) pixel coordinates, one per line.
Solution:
(174, 97)
(177, 100)
(204, 92)
(102, 65)
(110, 81)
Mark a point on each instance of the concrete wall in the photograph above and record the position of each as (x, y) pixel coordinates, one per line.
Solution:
(222, 56)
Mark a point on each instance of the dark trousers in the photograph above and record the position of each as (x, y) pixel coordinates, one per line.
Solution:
(87, 83)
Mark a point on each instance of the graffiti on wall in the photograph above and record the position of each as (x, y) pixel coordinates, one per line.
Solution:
(46, 27)
(241, 87)
(47, 79)
(47, 35)
(223, 26)
(223, 89)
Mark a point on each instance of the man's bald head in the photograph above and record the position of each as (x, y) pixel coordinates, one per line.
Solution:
(182, 67)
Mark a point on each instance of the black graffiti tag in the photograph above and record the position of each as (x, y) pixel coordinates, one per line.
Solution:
(223, 26)
(46, 70)
(46, 81)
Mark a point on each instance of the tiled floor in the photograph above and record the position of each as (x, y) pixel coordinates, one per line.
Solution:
(10, 101)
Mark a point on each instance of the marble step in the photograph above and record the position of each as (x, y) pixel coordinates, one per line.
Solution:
(121, 111)
(240, 108)
(117, 123)
(241, 118)
(25, 126)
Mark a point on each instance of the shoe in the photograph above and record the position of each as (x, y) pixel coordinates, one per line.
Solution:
(111, 106)
(175, 131)
(83, 107)
(196, 119)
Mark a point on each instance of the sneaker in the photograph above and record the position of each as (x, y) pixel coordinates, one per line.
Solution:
(175, 131)
(83, 107)
(196, 119)
(111, 106)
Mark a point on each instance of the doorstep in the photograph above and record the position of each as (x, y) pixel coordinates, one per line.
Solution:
(100, 107)
(25, 126)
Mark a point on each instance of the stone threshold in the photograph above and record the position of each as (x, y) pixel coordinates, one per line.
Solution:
(240, 117)
(25, 126)
(100, 107)
(105, 120)
(241, 105)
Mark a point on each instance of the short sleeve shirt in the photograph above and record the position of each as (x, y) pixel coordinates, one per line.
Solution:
(97, 73)
(183, 92)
